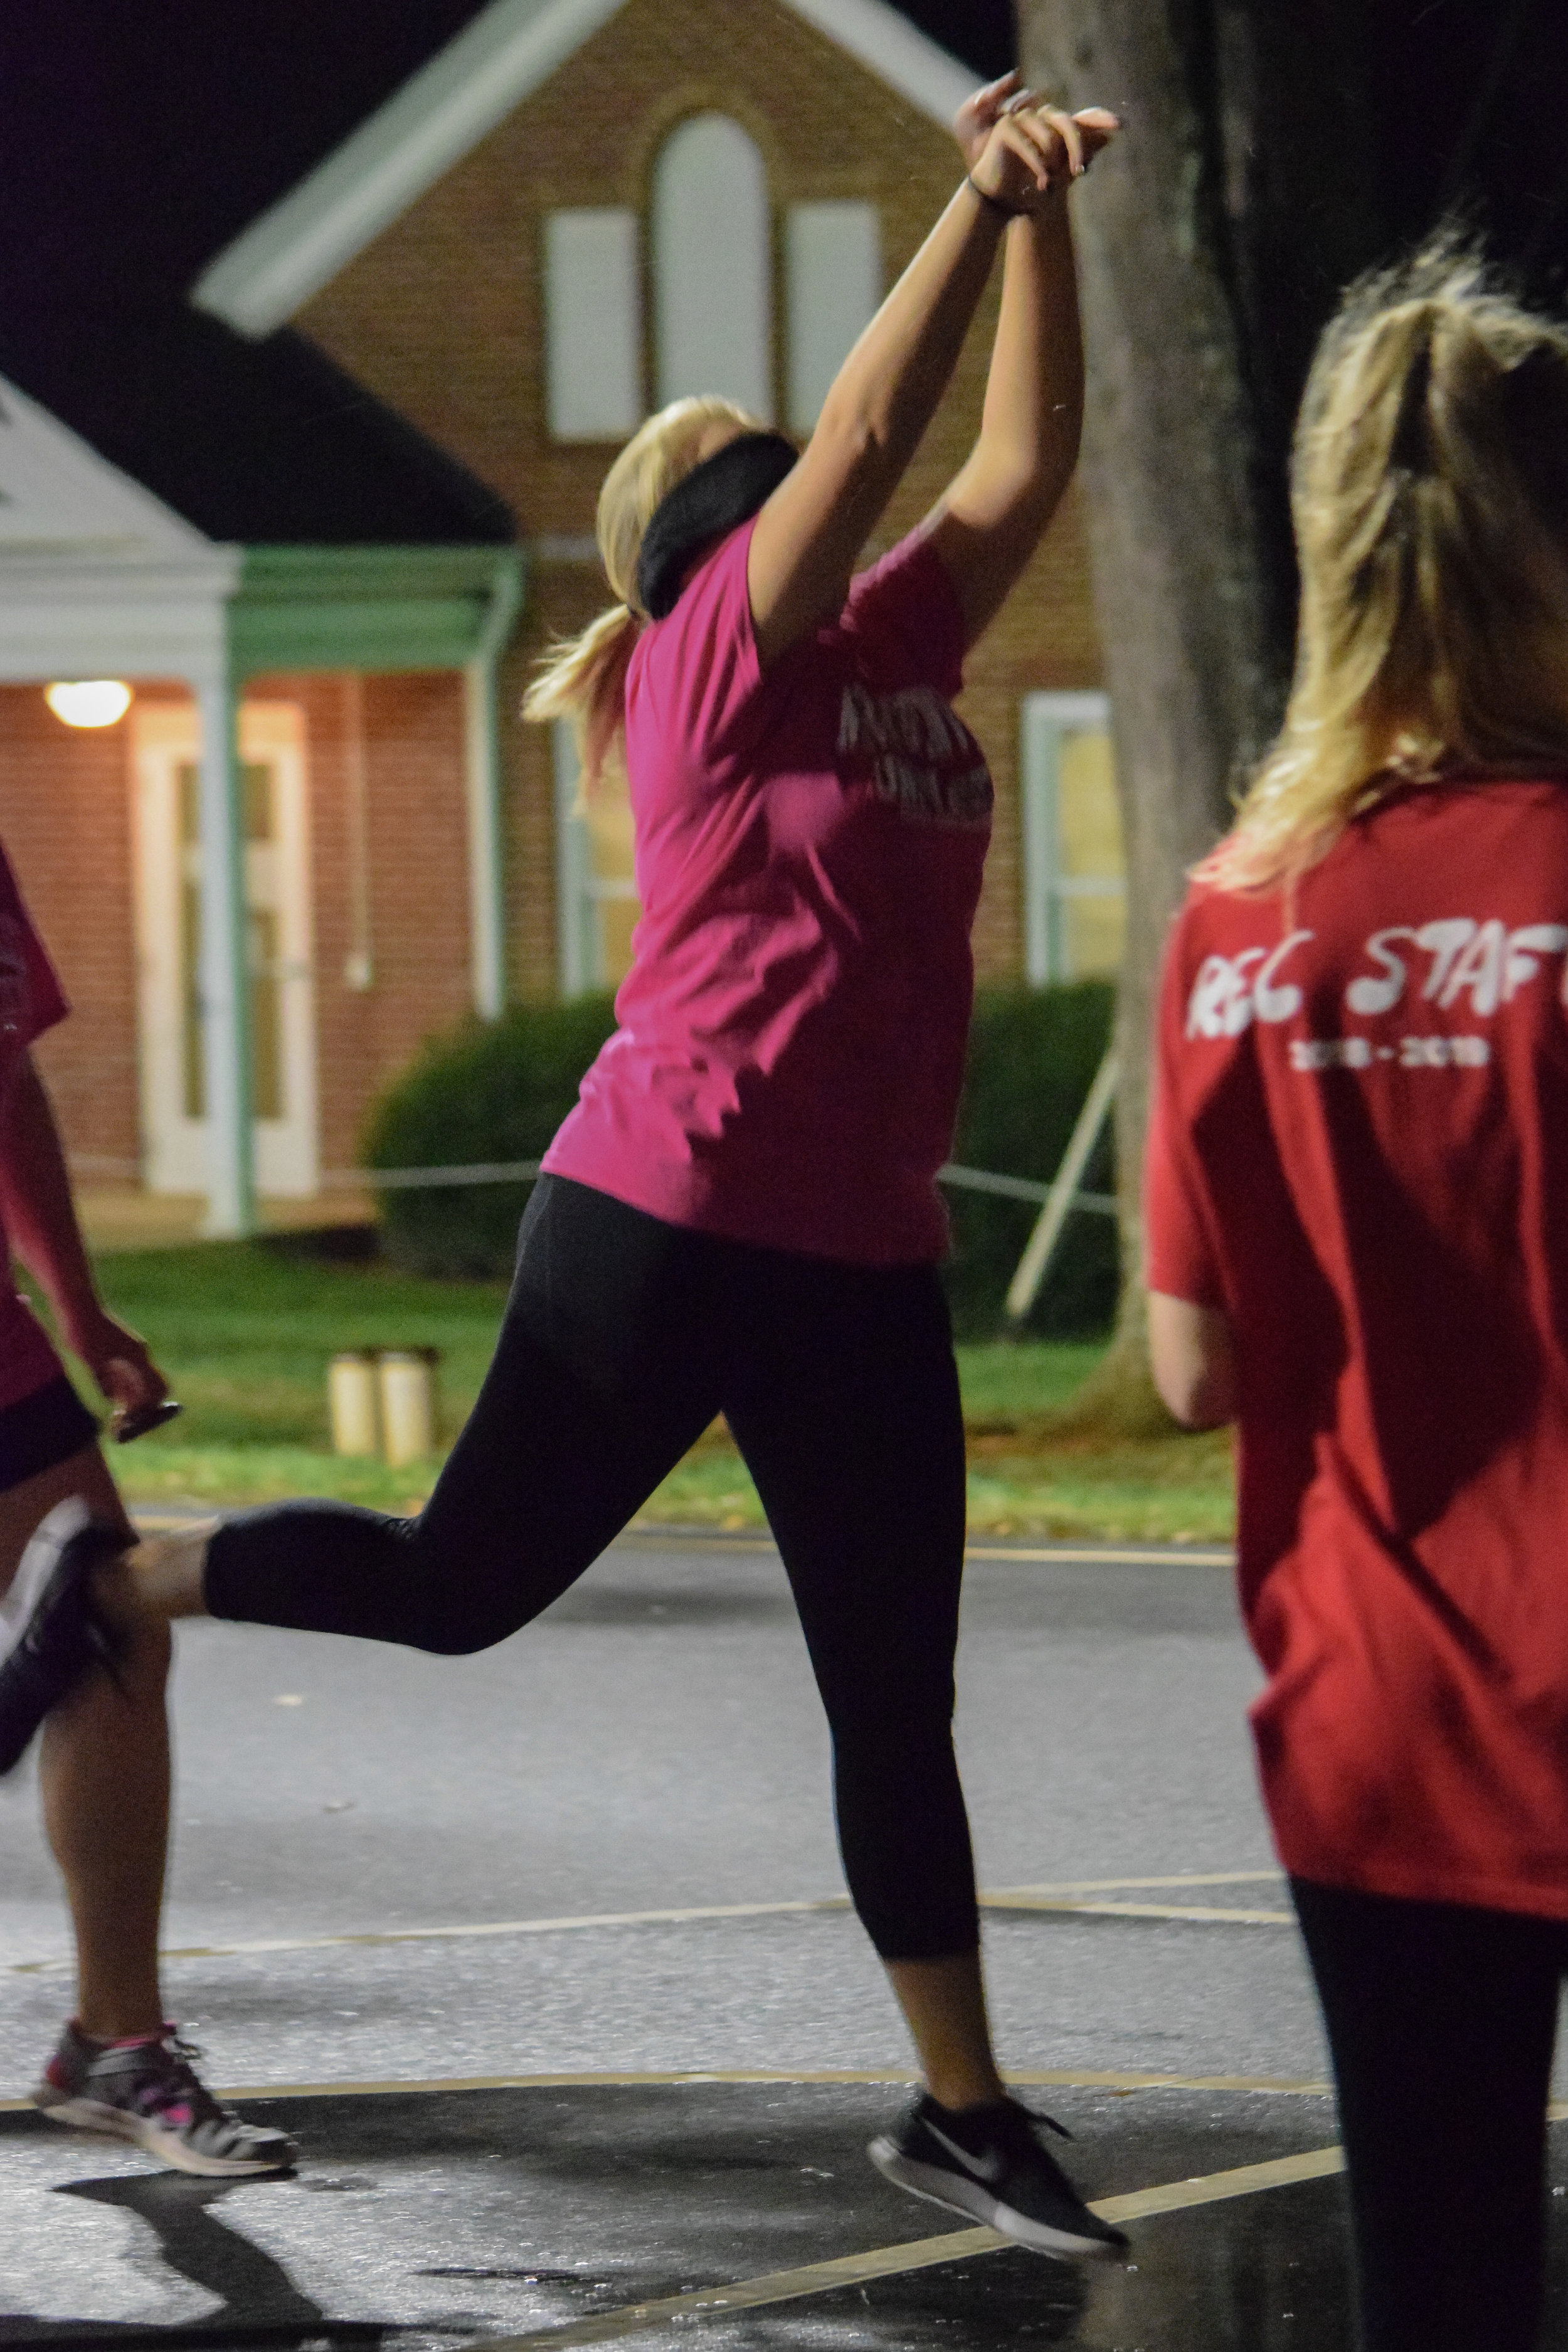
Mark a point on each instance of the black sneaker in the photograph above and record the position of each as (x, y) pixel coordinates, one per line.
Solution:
(49, 1635)
(988, 2162)
(149, 2092)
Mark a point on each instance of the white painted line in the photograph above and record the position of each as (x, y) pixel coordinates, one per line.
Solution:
(918, 2253)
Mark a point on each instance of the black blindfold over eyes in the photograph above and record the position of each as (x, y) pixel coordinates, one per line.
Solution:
(711, 502)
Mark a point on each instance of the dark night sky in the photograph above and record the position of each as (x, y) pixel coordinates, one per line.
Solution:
(136, 142)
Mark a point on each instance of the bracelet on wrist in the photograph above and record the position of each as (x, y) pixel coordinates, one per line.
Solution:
(997, 204)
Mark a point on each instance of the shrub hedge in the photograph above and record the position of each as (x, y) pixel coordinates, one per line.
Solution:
(495, 1091)
(498, 1092)
(1033, 1054)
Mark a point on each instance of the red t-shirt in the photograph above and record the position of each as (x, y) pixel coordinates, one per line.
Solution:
(809, 847)
(1361, 1153)
(31, 1001)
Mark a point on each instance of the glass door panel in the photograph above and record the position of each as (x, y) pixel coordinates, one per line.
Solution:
(274, 825)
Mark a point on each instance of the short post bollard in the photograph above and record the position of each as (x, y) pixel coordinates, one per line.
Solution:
(351, 1391)
(408, 1381)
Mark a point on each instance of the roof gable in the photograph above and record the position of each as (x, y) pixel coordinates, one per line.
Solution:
(58, 497)
(443, 111)
(173, 422)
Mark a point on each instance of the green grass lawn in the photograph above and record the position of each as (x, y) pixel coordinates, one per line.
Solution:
(244, 1332)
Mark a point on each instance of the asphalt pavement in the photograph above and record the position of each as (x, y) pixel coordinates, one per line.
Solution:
(543, 1958)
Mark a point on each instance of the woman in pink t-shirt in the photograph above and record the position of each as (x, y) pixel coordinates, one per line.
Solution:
(740, 1214)
(1358, 1249)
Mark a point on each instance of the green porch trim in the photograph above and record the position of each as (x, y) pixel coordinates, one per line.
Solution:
(368, 608)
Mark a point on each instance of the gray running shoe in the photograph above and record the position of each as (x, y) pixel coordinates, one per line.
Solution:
(49, 1635)
(149, 2092)
(988, 2162)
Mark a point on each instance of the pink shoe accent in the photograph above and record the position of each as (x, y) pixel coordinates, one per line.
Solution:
(124, 2041)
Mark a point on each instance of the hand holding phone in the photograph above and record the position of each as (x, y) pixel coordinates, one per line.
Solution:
(127, 1425)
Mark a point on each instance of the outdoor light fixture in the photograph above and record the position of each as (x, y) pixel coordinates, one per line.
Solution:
(88, 701)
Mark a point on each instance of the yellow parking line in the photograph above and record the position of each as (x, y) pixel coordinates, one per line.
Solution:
(485, 1927)
(1076, 2078)
(1043, 1897)
(1208, 1913)
(1095, 1885)
(1170, 1555)
(651, 1534)
(916, 2254)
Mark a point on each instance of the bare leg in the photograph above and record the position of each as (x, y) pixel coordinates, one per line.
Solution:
(156, 1581)
(944, 2003)
(104, 1771)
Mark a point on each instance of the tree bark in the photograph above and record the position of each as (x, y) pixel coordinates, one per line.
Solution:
(1212, 240)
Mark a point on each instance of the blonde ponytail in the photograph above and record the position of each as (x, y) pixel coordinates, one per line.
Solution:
(584, 679)
(1430, 488)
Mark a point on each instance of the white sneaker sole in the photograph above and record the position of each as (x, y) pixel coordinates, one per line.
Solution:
(40, 1557)
(116, 2123)
(939, 2187)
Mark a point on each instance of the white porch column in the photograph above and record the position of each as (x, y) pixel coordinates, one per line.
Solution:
(487, 893)
(486, 906)
(225, 976)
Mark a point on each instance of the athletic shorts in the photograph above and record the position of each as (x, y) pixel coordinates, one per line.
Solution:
(40, 1430)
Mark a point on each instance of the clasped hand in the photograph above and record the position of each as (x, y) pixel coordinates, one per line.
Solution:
(1019, 151)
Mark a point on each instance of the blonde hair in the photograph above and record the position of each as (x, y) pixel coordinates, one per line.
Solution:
(1430, 488)
(584, 679)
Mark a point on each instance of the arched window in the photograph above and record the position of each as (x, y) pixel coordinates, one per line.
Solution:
(712, 266)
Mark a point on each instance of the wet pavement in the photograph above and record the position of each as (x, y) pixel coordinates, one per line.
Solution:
(422, 1909)
(436, 2218)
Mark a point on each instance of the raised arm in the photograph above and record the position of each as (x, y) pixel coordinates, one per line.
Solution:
(989, 522)
(811, 530)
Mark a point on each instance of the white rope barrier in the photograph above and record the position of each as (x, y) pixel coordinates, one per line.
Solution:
(523, 1171)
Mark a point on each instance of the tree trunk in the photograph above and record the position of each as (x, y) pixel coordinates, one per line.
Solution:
(1212, 240)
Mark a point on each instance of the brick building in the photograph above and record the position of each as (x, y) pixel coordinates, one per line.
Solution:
(582, 209)
(267, 863)
(575, 211)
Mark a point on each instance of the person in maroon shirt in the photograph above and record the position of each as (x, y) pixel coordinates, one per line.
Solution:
(120, 2067)
(742, 1214)
(1357, 1206)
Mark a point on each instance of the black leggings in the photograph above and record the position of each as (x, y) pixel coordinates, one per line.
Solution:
(1441, 2020)
(623, 1337)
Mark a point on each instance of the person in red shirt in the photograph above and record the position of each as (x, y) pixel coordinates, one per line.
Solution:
(1357, 1206)
(120, 2068)
(742, 1215)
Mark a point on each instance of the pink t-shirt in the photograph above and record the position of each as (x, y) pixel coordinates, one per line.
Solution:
(809, 848)
(31, 1001)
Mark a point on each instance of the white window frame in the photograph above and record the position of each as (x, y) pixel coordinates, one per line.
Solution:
(1045, 718)
(591, 268)
(834, 285)
(579, 891)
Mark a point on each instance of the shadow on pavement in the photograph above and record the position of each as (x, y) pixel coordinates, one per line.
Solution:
(261, 2305)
